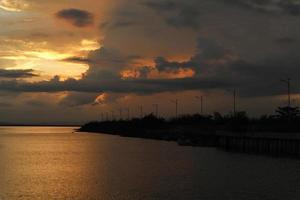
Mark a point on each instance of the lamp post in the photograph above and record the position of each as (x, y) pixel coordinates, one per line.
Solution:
(102, 116)
(288, 83)
(201, 103)
(140, 108)
(156, 109)
(106, 116)
(112, 115)
(176, 107)
(234, 102)
(128, 113)
(120, 111)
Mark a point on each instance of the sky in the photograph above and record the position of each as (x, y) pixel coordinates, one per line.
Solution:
(69, 61)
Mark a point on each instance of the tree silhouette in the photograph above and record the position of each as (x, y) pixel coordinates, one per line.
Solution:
(288, 112)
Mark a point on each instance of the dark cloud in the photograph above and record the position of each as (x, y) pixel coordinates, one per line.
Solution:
(161, 5)
(126, 18)
(106, 64)
(210, 49)
(177, 13)
(78, 99)
(118, 24)
(291, 7)
(163, 65)
(17, 73)
(77, 60)
(208, 52)
(144, 71)
(215, 70)
(236, 49)
(270, 6)
(186, 17)
(76, 17)
(286, 40)
(249, 79)
(180, 14)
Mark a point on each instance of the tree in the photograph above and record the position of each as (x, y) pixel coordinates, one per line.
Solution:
(288, 112)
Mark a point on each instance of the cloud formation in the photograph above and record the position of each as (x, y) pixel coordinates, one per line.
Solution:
(17, 73)
(150, 47)
(77, 17)
(13, 5)
(291, 7)
(76, 59)
(216, 68)
(78, 99)
(178, 13)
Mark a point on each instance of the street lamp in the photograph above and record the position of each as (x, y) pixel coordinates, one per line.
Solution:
(156, 109)
(201, 102)
(176, 106)
(288, 83)
(140, 108)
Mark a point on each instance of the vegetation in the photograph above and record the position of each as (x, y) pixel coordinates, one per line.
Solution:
(199, 130)
(287, 119)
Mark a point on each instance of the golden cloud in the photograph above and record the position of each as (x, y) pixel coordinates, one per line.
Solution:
(13, 5)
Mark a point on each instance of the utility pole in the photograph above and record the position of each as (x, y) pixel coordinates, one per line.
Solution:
(128, 113)
(201, 103)
(141, 111)
(156, 109)
(120, 111)
(102, 117)
(112, 115)
(176, 107)
(106, 116)
(234, 102)
(288, 83)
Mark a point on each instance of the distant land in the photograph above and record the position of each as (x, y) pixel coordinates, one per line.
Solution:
(40, 124)
(275, 134)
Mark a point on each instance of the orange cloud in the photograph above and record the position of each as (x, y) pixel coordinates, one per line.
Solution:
(127, 74)
(178, 74)
(155, 74)
(101, 98)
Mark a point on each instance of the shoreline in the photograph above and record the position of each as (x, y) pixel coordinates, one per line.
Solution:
(38, 125)
(281, 144)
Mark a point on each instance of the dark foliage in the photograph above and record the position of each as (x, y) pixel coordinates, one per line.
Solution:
(288, 113)
(286, 120)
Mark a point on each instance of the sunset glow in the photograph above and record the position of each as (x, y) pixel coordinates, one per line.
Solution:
(94, 51)
(149, 99)
(13, 6)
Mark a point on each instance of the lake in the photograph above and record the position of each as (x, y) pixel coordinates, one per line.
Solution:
(58, 163)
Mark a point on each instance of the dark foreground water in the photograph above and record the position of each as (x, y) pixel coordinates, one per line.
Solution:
(56, 163)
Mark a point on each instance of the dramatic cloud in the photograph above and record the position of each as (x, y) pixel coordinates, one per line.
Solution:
(76, 17)
(193, 13)
(77, 60)
(18, 73)
(291, 7)
(78, 99)
(217, 63)
(215, 68)
(177, 13)
(153, 48)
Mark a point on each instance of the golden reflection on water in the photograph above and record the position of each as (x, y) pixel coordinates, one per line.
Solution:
(56, 163)
(41, 163)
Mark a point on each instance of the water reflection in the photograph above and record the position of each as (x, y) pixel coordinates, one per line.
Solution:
(55, 163)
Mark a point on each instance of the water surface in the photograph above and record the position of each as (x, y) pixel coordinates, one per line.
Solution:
(57, 163)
